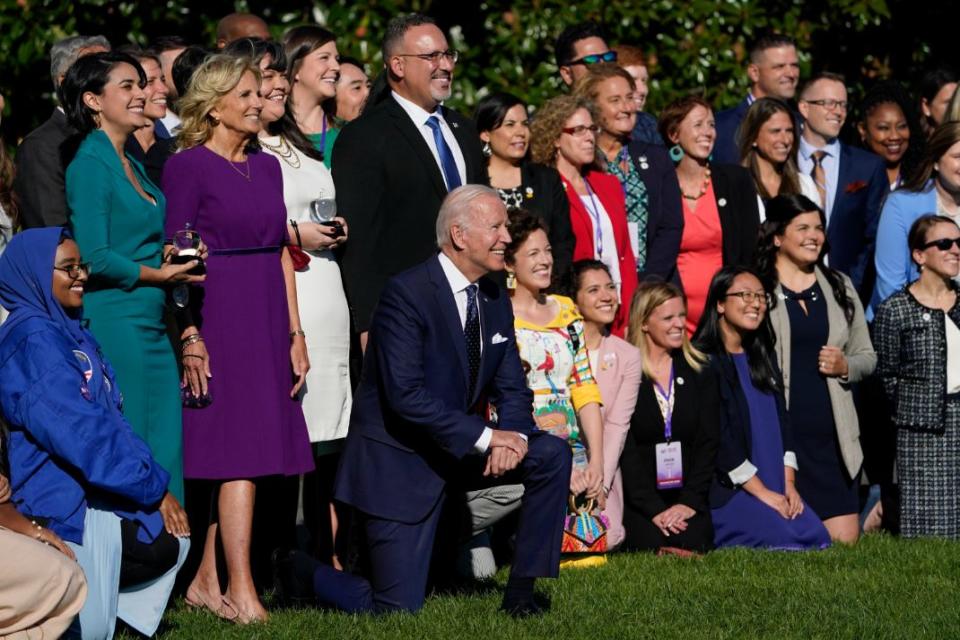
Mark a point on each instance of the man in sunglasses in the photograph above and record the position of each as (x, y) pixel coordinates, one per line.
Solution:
(580, 46)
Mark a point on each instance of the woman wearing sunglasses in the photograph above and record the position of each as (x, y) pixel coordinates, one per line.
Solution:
(918, 343)
(564, 135)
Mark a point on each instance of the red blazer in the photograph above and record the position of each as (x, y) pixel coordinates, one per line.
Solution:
(608, 190)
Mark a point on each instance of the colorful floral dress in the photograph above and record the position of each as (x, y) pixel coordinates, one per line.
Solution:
(555, 360)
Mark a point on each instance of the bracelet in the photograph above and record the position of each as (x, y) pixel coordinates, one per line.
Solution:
(297, 332)
(39, 535)
(192, 355)
(296, 231)
(191, 339)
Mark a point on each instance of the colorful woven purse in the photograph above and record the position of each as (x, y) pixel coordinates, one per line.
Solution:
(584, 531)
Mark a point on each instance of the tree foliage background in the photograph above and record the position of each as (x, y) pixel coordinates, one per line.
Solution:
(694, 45)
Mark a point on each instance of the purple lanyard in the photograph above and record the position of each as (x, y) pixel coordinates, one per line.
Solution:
(668, 413)
(323, 134)
(594, 211)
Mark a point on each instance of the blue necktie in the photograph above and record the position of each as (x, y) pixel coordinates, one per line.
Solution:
(447, 163)
(471, 332)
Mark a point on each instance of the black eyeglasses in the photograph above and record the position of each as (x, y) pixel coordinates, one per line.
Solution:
(74, 270)
(594, 58)
(943, 244)
(435, 57)
(749, 297)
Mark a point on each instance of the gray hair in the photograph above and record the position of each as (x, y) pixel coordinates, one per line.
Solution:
(397, 28)
(65, 52)
(457, 208)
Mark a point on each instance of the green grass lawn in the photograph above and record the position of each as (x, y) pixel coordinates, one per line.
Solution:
(882, 588)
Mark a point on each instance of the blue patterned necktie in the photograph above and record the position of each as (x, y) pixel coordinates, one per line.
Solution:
(471, 332)
(450, 172)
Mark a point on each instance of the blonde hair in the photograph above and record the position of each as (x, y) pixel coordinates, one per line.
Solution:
(212, 80)
(548, 123)
(646, 299)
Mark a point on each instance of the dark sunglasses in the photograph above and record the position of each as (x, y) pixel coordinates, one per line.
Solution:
(943, 244)
(594, 58)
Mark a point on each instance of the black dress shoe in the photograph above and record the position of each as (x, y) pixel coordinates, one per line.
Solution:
(525, 608)
(292, 573)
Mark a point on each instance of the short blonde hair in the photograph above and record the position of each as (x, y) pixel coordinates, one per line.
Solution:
(548, 123)
(647, 297)
(215, 78)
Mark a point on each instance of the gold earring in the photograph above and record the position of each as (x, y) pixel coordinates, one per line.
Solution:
(511, 280)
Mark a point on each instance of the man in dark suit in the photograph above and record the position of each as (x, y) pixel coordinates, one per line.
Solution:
(852, 182)
(441, 346)
(774, 70)
(394, 164)
(40, 183)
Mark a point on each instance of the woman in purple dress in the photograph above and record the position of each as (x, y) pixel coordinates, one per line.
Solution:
(754, 500)
(244, 353)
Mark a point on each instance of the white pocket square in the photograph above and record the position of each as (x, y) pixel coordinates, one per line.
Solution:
(497, 339)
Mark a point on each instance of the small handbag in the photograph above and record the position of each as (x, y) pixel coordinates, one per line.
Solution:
(584, 531)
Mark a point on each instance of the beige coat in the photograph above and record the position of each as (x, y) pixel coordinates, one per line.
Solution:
(861, 361)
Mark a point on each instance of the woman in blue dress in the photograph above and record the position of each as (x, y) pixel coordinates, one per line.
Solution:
(76, 466)
(754, 500)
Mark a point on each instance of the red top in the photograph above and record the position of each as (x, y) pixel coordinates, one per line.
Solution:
(701, 253)
(610, 193)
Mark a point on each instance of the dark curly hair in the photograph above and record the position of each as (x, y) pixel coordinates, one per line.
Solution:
(891, 92)
(522, 223)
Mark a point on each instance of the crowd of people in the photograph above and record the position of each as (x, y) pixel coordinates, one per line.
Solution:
(273, 322)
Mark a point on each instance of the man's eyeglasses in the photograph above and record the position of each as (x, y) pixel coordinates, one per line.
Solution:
(74, 270)
(594, 58)
(830, 105)
(749, 297)
(943, 244)
(581, 130)
(435, 57)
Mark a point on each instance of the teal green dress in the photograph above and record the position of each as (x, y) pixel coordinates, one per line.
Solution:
(324, 143)
(117, 231)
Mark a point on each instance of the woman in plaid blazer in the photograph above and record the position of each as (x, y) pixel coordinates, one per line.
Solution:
(918, 344)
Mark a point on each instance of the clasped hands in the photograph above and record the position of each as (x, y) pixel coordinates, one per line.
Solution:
(505, 452)
(673, 519)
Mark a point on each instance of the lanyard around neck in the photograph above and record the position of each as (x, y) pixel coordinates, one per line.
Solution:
(593, 209)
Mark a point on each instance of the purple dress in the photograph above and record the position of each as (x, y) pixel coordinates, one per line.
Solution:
(252, 428)
(744, 521)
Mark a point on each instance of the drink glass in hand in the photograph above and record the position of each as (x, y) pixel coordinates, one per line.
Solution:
(186, 245)
(323, 210)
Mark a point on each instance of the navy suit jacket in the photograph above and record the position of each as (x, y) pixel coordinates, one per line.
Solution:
(414, 418)
(728, 121)
(664, 211)
(862, 187)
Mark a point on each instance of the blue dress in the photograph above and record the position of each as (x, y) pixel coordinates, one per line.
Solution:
(745, 521)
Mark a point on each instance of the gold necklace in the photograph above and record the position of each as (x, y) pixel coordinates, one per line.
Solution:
(245, 176)
(285, 151)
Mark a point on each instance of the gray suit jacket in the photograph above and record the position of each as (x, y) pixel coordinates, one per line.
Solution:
(854, 339)
(41, 164)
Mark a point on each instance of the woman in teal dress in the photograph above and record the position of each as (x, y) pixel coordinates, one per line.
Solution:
(117, 216)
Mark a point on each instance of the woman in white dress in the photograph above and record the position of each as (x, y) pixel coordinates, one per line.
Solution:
(768, 140)
(308, 192)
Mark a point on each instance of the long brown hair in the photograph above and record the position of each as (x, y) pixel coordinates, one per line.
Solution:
(944, 137)
(8, 199)
(758, 115)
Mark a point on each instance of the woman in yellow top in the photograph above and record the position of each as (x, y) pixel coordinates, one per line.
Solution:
(566, 398)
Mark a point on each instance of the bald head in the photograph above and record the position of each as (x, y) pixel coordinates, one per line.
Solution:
(240, 25)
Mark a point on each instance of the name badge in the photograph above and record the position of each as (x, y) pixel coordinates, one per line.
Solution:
(669, 466)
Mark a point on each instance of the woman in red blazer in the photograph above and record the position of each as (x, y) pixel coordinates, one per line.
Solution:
(565, 136)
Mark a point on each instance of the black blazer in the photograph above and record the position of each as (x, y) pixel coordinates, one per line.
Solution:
(735, 433)
(40, 184)
(548, 199)
(665, 213)
(389, 189)
(696, 425)
(739, 215)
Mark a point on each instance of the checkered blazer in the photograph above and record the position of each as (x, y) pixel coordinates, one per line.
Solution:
(911, 345)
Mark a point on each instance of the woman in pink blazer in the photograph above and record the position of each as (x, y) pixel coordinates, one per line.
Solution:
(616, 366)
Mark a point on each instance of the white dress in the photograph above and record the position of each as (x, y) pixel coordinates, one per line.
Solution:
(324, 316)
(808, 188)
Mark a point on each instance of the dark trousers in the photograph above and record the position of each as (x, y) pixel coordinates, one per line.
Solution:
(400, 553)
(140, 561)
(643, 535)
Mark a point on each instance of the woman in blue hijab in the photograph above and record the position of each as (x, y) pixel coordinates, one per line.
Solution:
(76, 466)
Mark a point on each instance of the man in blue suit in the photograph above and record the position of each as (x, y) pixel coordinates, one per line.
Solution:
(852, 182)
(774, 71)
(441, 348)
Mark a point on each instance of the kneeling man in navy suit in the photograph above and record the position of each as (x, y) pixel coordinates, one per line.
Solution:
(441, 348)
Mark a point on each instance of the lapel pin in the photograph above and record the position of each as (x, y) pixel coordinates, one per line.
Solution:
(722, 202)
(926, 317)
(680, 380)
(644, 164)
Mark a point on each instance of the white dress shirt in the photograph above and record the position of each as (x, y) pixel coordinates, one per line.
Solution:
(420, 117)
(831, 169)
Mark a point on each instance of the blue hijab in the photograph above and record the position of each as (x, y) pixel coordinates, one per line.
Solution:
(26, 284)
